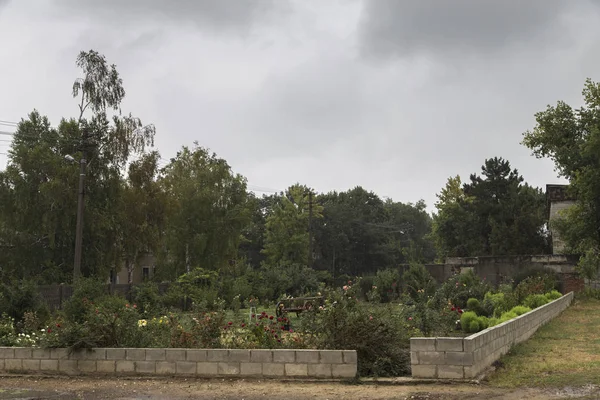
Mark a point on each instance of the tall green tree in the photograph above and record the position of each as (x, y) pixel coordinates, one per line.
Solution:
(496, 213)
(207, 212)
(571, 138)
(39, 188)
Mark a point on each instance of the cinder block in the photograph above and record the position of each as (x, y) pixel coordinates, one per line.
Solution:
(80, 354)
(262, 356)
(186, 367)
(49, 365)
(298, 369)
(1, 364)
(319, 370)
(86, 365)
(40, 354)
(350, 356)
(431, 357)
(31, 365)
(67, 366)
(135, 354)
(217, 355)
(115, 354)
(343, 370)
(308, 356)
(13, 364)
(273, 369)
(449, 344)
(7, 352)
(422, 344)
(250, 369)
(191, 355)
(472, 371)
(21, 352)
(207, 368)
(105, 366)
(424, 371)
(284, 356)
(459, 358)
(450, 372)
(239, 356)
(329, 356)
(414, 357)
(125, 366)
(228, 368)
(155, 355)
(174, 355)
(97, 354)
(145, 367)
(166, 368)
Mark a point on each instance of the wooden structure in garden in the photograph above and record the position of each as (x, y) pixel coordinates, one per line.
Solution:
(297, 305)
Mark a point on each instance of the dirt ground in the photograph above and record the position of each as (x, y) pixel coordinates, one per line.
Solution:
(64, 388)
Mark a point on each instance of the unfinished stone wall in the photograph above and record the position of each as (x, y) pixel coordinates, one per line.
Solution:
(463, 358)
(326, 364)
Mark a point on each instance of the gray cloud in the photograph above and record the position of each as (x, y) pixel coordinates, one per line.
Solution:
(461, 27)
(239, 16)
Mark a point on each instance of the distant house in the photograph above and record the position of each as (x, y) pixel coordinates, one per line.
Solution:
(558, 199)
(138, 274)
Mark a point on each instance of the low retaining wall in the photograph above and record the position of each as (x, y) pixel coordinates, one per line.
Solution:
(332, 364)
(460, 358)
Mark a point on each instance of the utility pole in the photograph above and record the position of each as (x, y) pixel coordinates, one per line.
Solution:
(79, 229)
(310, 233)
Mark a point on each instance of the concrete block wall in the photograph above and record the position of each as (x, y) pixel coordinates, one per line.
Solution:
(463, 358)
(326, 364)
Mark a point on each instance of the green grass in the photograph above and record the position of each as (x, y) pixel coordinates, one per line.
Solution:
(565, 352)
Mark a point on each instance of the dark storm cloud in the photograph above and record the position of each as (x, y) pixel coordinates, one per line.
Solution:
(216, 15)
(407, 27)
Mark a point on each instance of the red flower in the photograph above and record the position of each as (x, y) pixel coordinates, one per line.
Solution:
(49, 330)
(230, 323)
(460, 311)
(291, 331)
(58, 325)
(453, 308)
(243, 325)
(271, 317)
(253, 316)
(279, 340)
(276, 336)
(283, 328)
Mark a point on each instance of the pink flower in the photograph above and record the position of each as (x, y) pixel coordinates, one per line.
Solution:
(291, 331)
(345, 287)
(370, 318)
(410, 318)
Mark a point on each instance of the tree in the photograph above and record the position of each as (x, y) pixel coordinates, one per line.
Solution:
(287, 237)
(494, 214)
(571, 138)
(207, 211)
(39, 188)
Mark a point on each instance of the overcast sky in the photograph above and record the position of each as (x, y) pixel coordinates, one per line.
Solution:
(392, 95)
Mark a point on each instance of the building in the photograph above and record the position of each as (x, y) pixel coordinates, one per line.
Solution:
(139, 274)
(558, 199)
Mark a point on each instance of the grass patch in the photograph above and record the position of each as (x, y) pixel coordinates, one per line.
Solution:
(565, 352)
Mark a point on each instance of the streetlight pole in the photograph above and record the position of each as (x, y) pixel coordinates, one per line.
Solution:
(79, 229)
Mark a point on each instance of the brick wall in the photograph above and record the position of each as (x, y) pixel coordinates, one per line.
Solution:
(463, 358)
(332, 364)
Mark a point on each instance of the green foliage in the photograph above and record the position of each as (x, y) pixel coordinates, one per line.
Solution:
(475, 305)
(571, 138)
(494, 304)
(418, 280)
(467, 319)
(386, 284)
(520, 310)
(507, 316)
(148, 299)
(550, 278)
(380, 335)
(20, 297)
(535, 300)
(534, 285)
(85, 290)
(553, 295)
(494, 214)
(460, 288)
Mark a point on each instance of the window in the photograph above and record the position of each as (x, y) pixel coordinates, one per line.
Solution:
(146, 273)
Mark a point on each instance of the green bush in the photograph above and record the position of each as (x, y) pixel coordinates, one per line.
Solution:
(380, 335)
(148, 299)
(550, 277)
(494, 304)
(386, 282)
(418, 280)
(534, 285)
(520, 310)
(493, 322)
(460, 288)
(475, 305)
(553, 295)
(466, 320)
(85, 290)
(535, 300)
(507, 316)
(484, 322)
(474, 326)
(19, 297)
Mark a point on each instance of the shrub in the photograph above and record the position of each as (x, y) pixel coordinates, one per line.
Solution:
(553, 295)
(474, 305)
(386, 283)
(494, 304)
(380, 335)
(418, 280)
(474, 326)
(508, 315)
(535, 300)
(520, 310)
(148, 299)
(460, 288)
(484, 322)
(534, 285)
(551, 277)
(466, 320)
(19, 297)
(85, 290)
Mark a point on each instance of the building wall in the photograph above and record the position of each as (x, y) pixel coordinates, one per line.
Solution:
(464, 358)
(145, 261)
(558, 246)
